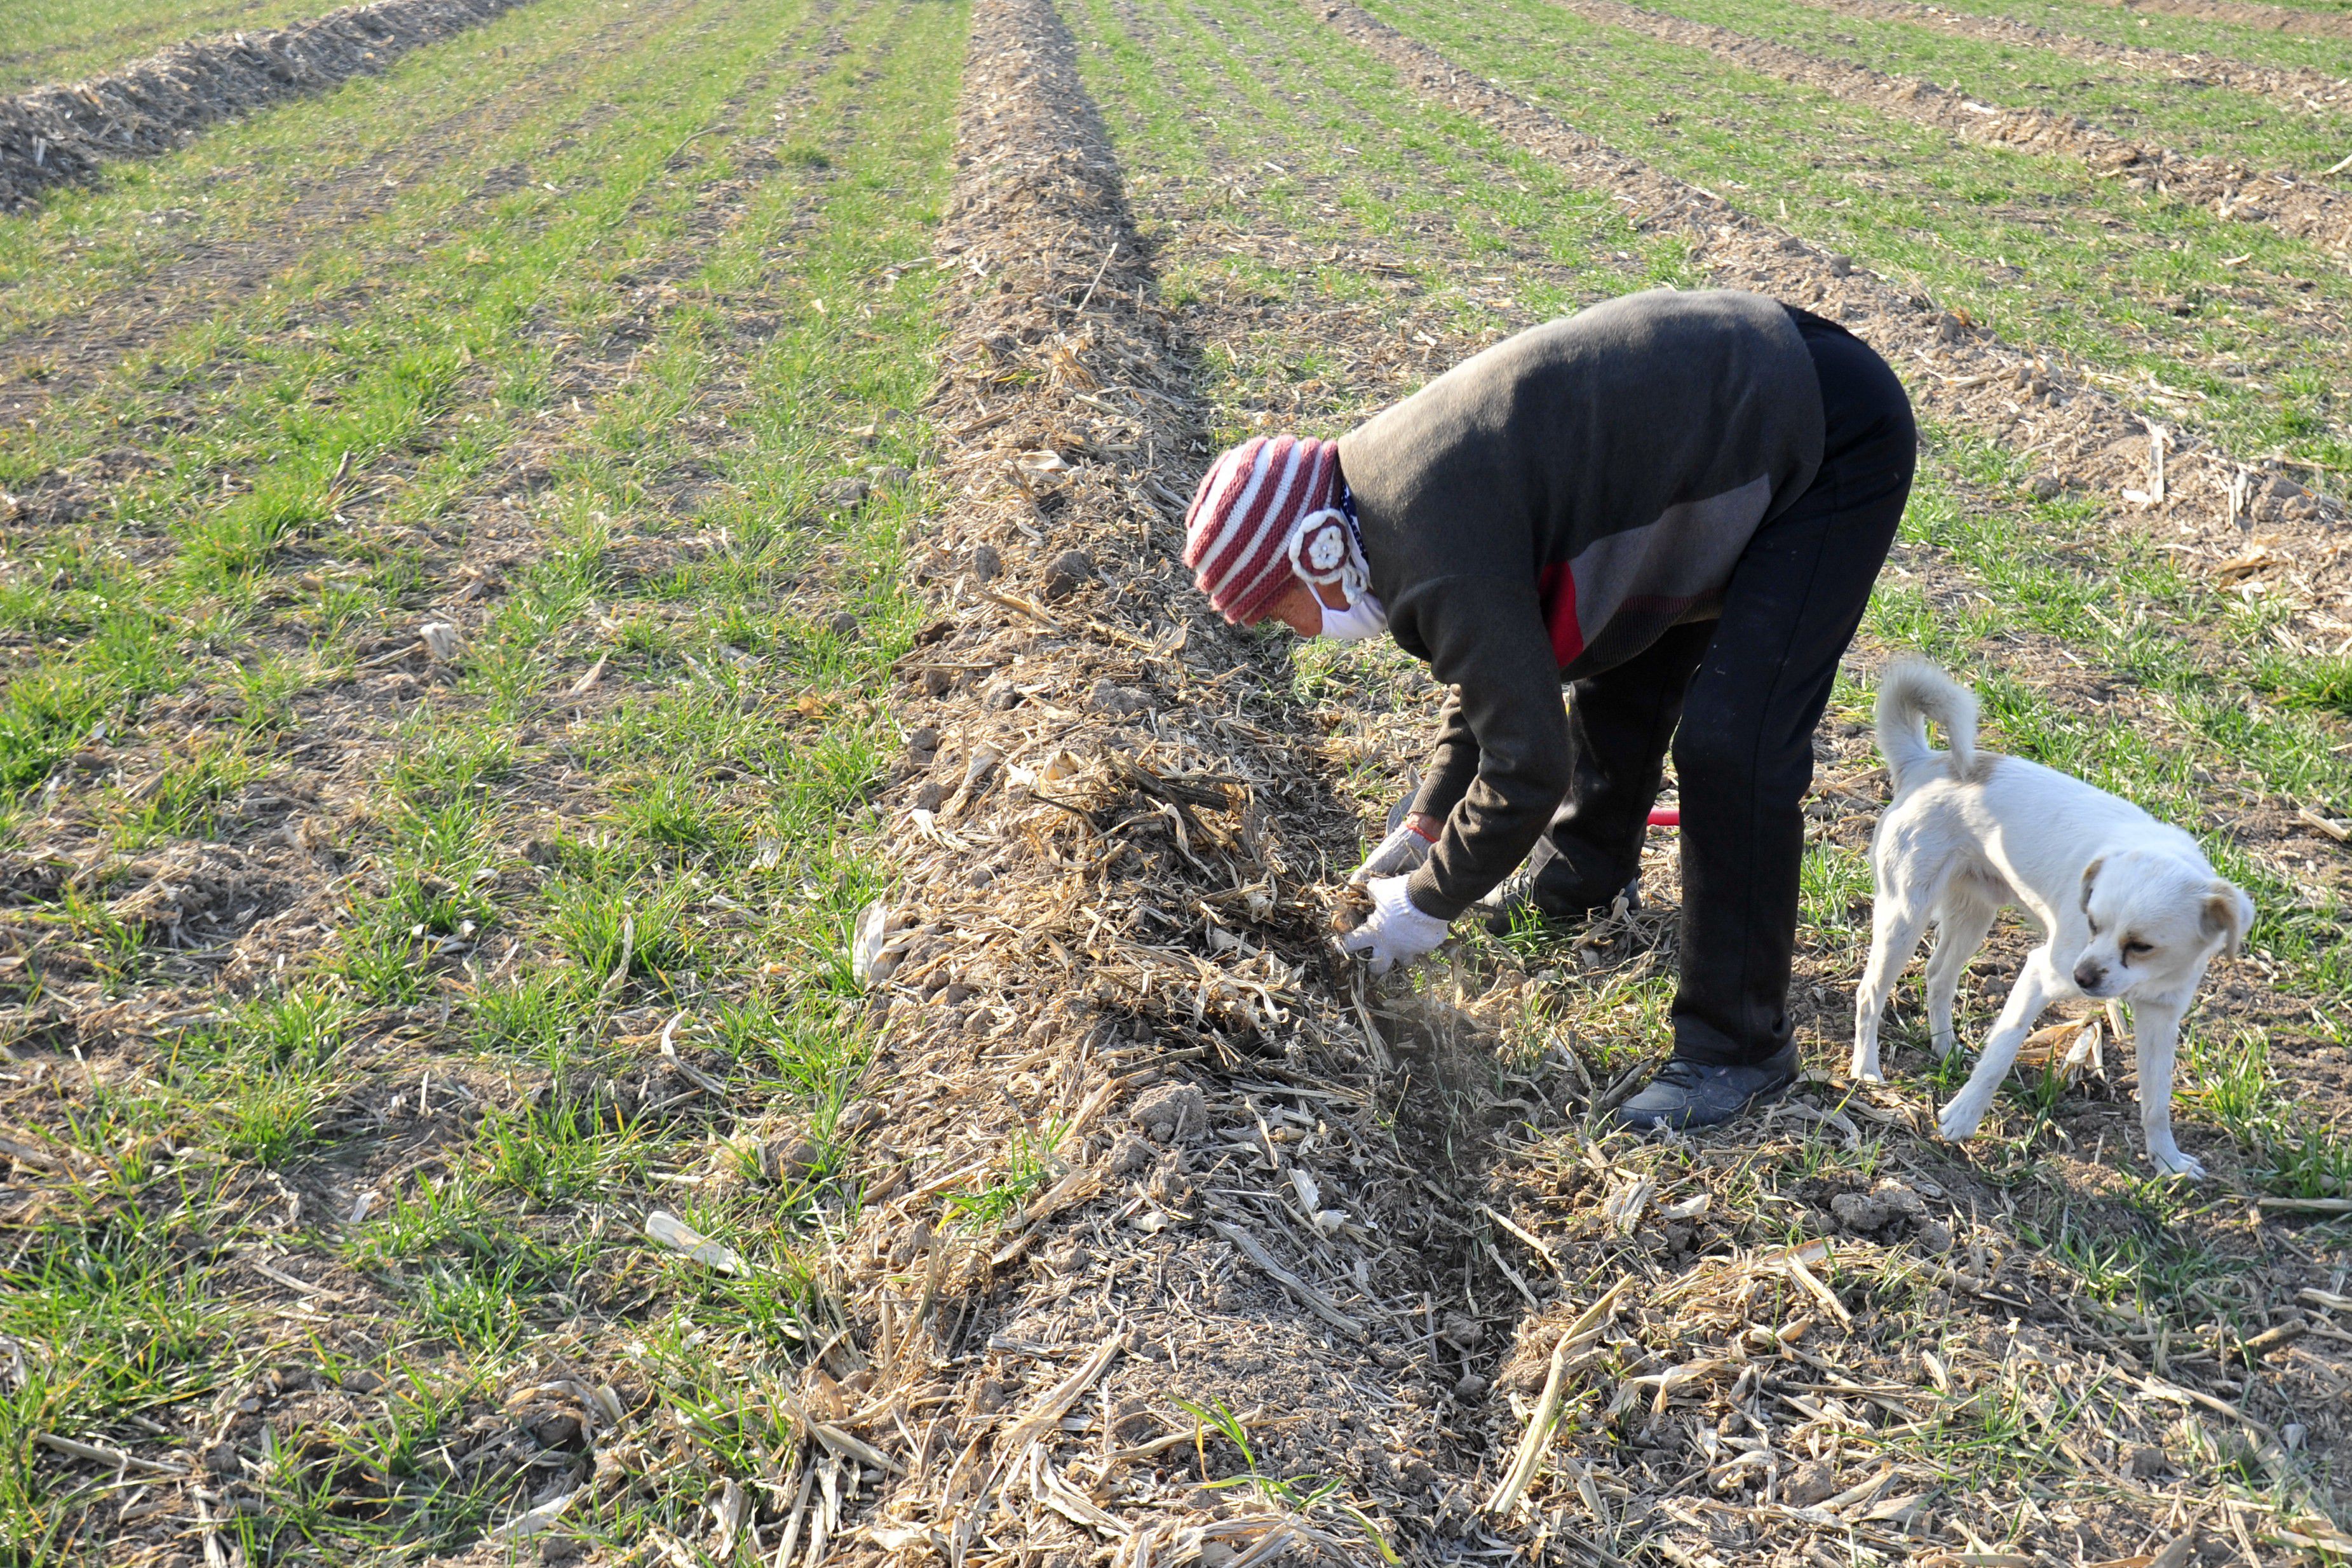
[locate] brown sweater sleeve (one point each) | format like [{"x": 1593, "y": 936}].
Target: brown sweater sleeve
[{"x": 1485, "y": 637}]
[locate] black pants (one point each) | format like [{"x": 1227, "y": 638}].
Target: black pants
[{"x": 1739, "y": 698}]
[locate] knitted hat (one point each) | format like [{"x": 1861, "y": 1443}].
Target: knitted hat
[{"x": 1267, "y": 514}]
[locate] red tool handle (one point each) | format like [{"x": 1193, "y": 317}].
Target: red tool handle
[{"x": 1665, "y": 816}]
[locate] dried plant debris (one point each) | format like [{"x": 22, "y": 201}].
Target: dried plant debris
[{"x": 68, "y": 130}]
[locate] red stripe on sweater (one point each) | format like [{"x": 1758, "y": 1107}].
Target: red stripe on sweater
[{"x": 1557, "y": 586}]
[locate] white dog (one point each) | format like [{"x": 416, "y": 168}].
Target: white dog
[{"x": 2129, "y": 907}]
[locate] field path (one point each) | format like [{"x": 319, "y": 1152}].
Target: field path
[{"x": 2304, "y": 91}]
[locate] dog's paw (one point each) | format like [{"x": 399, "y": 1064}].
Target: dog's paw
[
  {"x": 2175, "y": 1163},
  {"x": 1959, "y": 1120},
  {"x": 1865, "y": 1070}
]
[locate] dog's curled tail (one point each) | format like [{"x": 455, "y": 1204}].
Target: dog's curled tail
[{"x": 1910, "y": 692}]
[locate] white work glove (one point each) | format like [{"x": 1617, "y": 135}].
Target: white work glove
[
  {"x": 1402, "y": 851},
  {"x": 1395, "y": 931}
]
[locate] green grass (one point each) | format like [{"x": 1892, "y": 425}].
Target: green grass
[
  {"x": 2116, "y": 25},
  {"x": 64, "y": 40},
  {"x": 287, "y": 199},
  {"x": 2142, "y": 105},
  {"x": 715, "y": 839},
  {"x": 2049, "y": 256}
]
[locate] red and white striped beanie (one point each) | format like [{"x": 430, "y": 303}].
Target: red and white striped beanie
[{"x": 1243, "y": 534}]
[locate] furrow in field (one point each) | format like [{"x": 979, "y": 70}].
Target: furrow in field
[
  {"x": 2080, "y": 438},
  {"x": 2309, "y": 212},
  {"x": 2302, "y": 91},
  {"x": 53, "y": 134},
  {"x": 66, "y": 332},
  {"x": 2241, "y": 13}
]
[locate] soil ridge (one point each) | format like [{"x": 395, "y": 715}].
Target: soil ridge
[{"x": 1107, "y": 1016}]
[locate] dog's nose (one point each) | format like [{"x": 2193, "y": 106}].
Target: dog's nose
[{"x": 2087, "y": 975}]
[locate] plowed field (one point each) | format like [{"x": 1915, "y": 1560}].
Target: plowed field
[{"x": 508, "y": 566}]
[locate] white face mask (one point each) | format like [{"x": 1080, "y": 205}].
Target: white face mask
[{"x": 1363, "y": 617}]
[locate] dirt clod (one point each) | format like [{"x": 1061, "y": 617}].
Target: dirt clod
[
  {"x": 1067, "y": 573},
  {"x": 1173, "y": 1111}
]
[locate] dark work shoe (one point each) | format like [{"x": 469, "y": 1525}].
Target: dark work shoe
[
  {"x": 1692, "y": 1094},
  {"x": 1519, "y": 891}
]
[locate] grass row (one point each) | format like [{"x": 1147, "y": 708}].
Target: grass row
[
  {"x": 64, "y": 40},
  {"x": 2195, "y": 35},
  {"x": 257, "y": 425},
  {"x": 710, "y": 868},
  {"x": 2148, "y": 107},
  {"x": 2049, "y": 257},
  {"x": 276, "y": 192}
]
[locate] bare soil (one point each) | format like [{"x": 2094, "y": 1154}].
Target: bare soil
[{"x": 2241, "y": 13}]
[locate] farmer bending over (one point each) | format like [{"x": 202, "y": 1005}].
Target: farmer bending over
[{"x": 1673, "y": 504}]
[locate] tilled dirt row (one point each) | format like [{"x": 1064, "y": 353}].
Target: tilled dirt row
[
  {"x": 2237, "y": 519},
  {"x": 2235, "y": 192},
  {"x": 67, "y": 131},
  {"x": 1165, "y": 1212},
  {"x": 2304, "y": 91}
]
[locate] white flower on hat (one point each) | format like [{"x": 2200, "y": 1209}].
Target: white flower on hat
[{"x": 1323, "y": 550}]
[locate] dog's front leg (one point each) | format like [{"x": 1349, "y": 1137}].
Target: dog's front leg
[
  {"x": 2037, "y": 984},
  {"x": 2156, "y": 1038}
]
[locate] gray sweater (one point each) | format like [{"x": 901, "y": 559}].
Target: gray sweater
[{"x": 1544, "y": 511}]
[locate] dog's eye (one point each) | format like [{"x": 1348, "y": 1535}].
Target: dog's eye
[
  {"x": 2093, "y": 924},
  {"x": 2134, "y": 949}
]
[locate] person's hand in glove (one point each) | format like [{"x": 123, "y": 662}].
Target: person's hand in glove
[
  {"x": 1406, "y": 846},
  {"x": 1395, "y": 931}
]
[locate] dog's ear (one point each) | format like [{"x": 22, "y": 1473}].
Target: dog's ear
[
  {"x": 2090, "y": 875},
  {"x": 2227, "y": 914}
]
